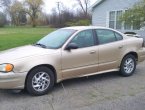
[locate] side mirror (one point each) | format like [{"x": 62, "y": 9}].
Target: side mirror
[{"x": 71, "y": 46}]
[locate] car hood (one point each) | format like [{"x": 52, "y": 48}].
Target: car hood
[{"x": 21, "y": 52}]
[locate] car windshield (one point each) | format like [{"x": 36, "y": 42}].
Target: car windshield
[{"x": 56, "y": 39}]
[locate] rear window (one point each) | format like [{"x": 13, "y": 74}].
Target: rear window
[
  {"x": 118, "y": 36},
  {"x": 105, "y": 36}
]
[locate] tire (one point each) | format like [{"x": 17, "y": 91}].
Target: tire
[
  {"x": 40, "y": 81},
  {"x": 127, "y": 69}
]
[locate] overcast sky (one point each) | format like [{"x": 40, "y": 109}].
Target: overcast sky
[
  {"x": 70, "y": 4},
  {"x": 49, "y": 4}
]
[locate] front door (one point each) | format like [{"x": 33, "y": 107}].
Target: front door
[{"x": 81, "y": 61}]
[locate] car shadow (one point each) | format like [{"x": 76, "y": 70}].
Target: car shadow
[{"x": 66, "y": 83}]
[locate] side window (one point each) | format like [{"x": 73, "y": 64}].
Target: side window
[
  {"x": 105, "y": 36},
  {"x": 84, "y": 39},
  {"x": 118, "y": 36}
]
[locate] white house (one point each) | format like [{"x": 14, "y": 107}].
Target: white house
[{"x": 106, "y": 13}]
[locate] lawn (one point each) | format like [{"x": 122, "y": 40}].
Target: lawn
[{"x": 18, "y": 36}]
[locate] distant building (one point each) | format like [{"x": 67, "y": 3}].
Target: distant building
[{"x": 106, "y": 13}]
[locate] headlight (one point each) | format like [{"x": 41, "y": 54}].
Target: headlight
[{"x": 6, "y": 67}]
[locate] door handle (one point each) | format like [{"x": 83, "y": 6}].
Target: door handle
[
  {"x": 120, "y": 47},
  {"x": 92, "y": 52}
]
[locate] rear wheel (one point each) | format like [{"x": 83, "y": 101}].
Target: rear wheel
[
  {"x": 128, "y": 65},
  {"x": 40, "y": 81}
]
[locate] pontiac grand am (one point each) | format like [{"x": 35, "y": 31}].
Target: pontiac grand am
[{"x": 69, "y": 53}]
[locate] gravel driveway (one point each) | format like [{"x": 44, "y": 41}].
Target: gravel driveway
[{"x": 101, "y": 92}]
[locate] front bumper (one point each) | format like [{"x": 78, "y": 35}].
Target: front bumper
[{"x": 12, "y": 80}]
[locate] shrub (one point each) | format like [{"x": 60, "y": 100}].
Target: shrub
[{"x": 84, "y": 22}]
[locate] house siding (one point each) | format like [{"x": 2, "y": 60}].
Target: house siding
[{"x": 100, "y": 14}]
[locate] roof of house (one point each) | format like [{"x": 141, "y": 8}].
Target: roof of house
[{"x": 97, "y": 3}]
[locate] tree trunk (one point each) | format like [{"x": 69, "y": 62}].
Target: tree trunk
[{"x": 33, "y": 22}]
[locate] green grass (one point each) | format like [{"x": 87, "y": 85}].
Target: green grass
[{"x": 11, "y": 37}]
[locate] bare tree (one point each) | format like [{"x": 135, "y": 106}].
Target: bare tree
[
  {"x": 60, "y": 10},
  {"x": 84, "y": 4},
  {"x": 33, "y": 7},
  {"x": 1, "y": 3},
  {"x": 5, "y": 7},
  {"x": 5, "y": 3},
  {"x": 2, "y": 19},
  {"x": 65, "y": 15},
  {"x": 16, "y": 12}
]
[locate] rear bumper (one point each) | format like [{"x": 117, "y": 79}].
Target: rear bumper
[
  {"x": 141, "y": 55},
  {"x": 12, "y": 80}
]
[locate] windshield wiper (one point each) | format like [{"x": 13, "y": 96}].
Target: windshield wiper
[{"x": 41, "y": 45}]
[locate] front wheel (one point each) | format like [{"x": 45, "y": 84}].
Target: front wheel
[
  {"x": 39, "y": 81},
  {"x": 128, "y": 65}
]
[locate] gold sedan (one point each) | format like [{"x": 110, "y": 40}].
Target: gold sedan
[{"x": 69, "y": 53}]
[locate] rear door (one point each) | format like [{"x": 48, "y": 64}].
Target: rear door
[{"x": 110, "y": 49}]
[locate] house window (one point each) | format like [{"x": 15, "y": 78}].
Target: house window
[
  {"x": 114, "y": 20},
  {"x": 115, "y": 23}
]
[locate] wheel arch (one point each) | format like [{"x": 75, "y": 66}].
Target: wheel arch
[
  {"x": 132, "y": 53},
  {"x": 44, "y": 65}
]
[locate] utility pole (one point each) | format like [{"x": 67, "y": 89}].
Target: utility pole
[{"x": 59, "y": 11}]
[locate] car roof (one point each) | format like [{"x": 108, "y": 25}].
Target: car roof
[
  {"x": 85, "y": 27},
  {"x": 81, "y": 28}
]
